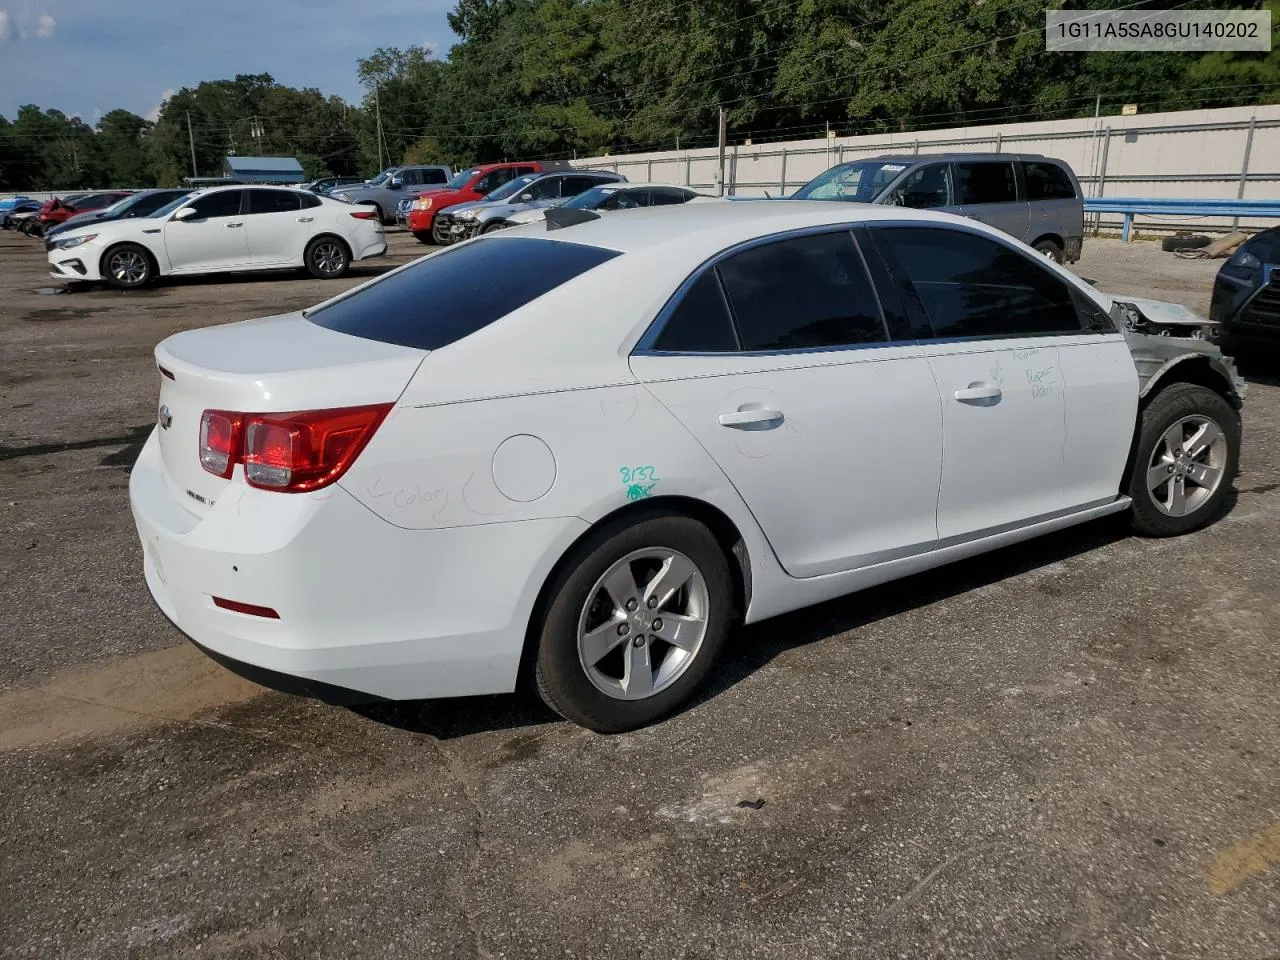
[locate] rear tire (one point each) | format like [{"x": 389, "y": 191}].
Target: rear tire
[
  {"x": 1187, "y": 456},
  {"x": 127, "y": 266},
  {"x": 606, "y": 659},
  {"x": 327, "y": 258},
  {"x": 1049, "y": 249}
]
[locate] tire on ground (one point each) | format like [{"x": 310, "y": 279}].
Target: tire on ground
[
  {"x": 1049, "y": 248},
  {"x": 320, "y": 257},
  {"x": 123, "y": 273},
  {"x": 559, "y": 674},
  {"x": 1153, "y": 458}
]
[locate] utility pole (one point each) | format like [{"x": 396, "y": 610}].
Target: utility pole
[
  {"x": 192, "y": 140},
  {"x": 377, "y": 106},
  {"x": 724, "y": 130}
]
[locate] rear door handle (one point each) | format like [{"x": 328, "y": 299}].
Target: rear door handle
[
  {"x": 305, "y": 219},
  {"x": 232, "y": 226},
  {"x": 746, "y": 418},
  {"x": 979, "y": 391}
]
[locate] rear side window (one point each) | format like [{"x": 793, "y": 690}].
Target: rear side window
[
  {"x": 669, "y": 196},
  {"x": 548, "y": 188},
  {"x": 309, "y": 200},
  {"x": 701, "y": 322},
  {"x": 273, "y": 201},
  {"x": 985, "y": 183},
  {"x": 576, "y": 185},
  {"x": 434, "y": 175},
  {"x": 971, "y": 286},
  {"x": 803, "y": 293},
  {"x": 627, "y": 200},
  {"x": 1047, "y": 181},
  {"x": 455, "y": 293}
]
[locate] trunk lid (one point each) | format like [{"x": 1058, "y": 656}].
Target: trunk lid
[{"x": 273, "y": 365}]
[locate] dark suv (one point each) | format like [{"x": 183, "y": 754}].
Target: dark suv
[{"x": 1036, "y": 199}]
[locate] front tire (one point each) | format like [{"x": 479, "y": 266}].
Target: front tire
[
  {"x": 634, "y": 623},
  {"x": 1187, "y": 455},
  {"x": 327, "y": 258},
  {"x": 422, "y": 236},
  {"x": 1050, "y": 250},
  {"x": 439, "y": 235},
  {"x": 127, "y": 267},
  {"x": 495, "y": 226}
]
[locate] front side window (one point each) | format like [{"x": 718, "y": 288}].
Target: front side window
[
  {"x": 972, "y": 286},
  {"x": 985, "y": 182},
  {"x": 547, "y": 188},
  {"x": 626, "y": 200},
  {"x": 273, "y": 201},
  {"x": 922, "y": 189},
  {"x": 1047, "y": 181},
  {"x": 451, "y": 295},
  {"x": 224, "y": 203},
  {"x": 860, "y": 181},
  {"x": 803, "y": 293},
  {"x": 491, "y": 181}
]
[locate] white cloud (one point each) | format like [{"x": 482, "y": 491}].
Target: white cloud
[
  {"x": 6, "y": 26},
  {"x": 45, "y": 26},
  {"x": 429, "y": 47},
  {"x": 154, "y": 114}
]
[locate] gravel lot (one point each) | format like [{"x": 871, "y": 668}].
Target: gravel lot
[{"x": 1069, "y": 749}]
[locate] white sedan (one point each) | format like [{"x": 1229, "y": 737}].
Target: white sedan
[
  {"x": 223, "y": 229},
  {"x": 585, "y": 452}
]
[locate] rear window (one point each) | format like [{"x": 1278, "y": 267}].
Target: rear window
[
  {"x": 1047, "y": 181},
  {"x": 459, "y": 291}
]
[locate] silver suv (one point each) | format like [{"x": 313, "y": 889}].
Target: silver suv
[
  {"x": 394, "y": 184},
  {"x": 1036, "y": 199}
]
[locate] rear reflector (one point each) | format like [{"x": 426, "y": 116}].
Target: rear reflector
[
  {"x": 252, "y": 609},
  {"x": 290, "y": 452},
  {"x": 365, "y": 214}
]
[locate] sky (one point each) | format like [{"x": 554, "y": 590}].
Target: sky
[{"x": 87, "y": 57}]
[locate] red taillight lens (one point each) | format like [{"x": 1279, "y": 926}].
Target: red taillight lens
[
  {"x": 252, "y": 609},
  {"x": 291, "y": 452},
  {"x": 365, "y": 214},
  {"x": 219, "y": 441}
]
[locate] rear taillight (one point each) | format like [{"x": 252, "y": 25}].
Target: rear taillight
[
  {"x": 365, "y": 214},
  {"x": 290, "y": 452}
]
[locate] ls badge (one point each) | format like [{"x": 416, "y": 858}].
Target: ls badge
[{"x": 166, "y": 417}]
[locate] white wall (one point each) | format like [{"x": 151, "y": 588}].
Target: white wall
[{"x": 1193, "y": 153}]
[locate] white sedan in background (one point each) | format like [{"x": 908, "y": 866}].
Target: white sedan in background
[
  {"x": 223, "y": 229},
  {"x": 587, "y": 451}
]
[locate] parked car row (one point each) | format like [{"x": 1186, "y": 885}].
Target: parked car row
[{"x": 216, "y": 230}]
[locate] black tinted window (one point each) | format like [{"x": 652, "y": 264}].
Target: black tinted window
[
  {"x": 452, "y": 295},
  {"x": 548, "y": 188},
  {"x": 701, "y": 322},
  {"x": 667, "y": 196},
  {"x": 626, "y": 200},
  {"x": 576, "y": 185},
  {"x": 434, "y": 175},
  {"x": 310, "y": 200},
  {"x": 985, "y": 183},
  {"x": 1047, "y": 181},
  {"x": 802, "y": 293},
  {"x": 273, "y": 201},
  {"x": 971, "y": 286},
  {"x": 924, "y": 188},
  {"x": 224, "y": 203}
]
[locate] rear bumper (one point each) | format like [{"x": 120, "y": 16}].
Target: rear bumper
[{"x": 367, "y": 610}]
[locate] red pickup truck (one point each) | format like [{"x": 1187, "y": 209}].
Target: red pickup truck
[
  {"x": 55, "y": 211},
  {"x": 469, "y": 185}
]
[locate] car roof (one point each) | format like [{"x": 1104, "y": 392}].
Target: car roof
[
  {"x": 933, "y": 157},
  {"x": 714, "y": 226}
]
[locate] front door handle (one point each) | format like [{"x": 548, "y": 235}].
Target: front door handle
[
  {"x": 232, "y": 226},
  {"x": 979, "y": 392},
  {"x": 752, "y": 418}
]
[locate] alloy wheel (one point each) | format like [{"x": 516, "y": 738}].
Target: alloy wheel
[
  {"x": 643, "y": 623},
  {"x": 327, "y": 257},
  {"x": 128, "y": 267},
  {"x": 1187, "y": 465}
]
